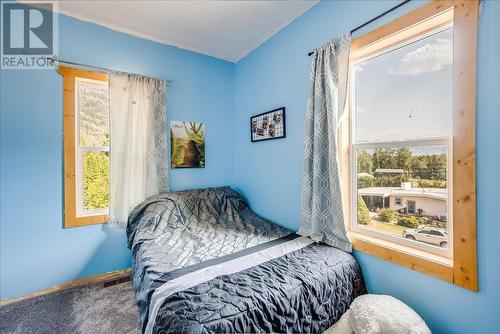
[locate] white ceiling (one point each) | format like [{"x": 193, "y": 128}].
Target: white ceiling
[{"x": 227, "y": 30}]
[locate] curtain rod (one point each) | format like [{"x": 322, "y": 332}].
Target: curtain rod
[
  {"x": 101, "y": 69},
  {"x": 373, "y": 19}
]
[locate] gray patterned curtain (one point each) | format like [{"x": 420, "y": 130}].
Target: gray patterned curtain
[
  {"x": 157, "y": 159},
  {"x": 322, "y": 217}
]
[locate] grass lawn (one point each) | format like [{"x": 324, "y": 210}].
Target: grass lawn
[{"x": 386, "y": 227}]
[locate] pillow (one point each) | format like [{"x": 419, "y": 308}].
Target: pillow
[{"x": 379, "y": 314}]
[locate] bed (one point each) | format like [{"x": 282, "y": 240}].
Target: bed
[{"x": 203, "y": 262}]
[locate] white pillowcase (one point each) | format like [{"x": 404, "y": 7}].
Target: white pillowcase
[{"x": 379, "y": 314}]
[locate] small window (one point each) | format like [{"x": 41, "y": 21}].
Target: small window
[
  {"x": 398, "y": 201},
  {"x": 92, "y": 174},
  {"x": 86, "y": 147},
  {"x": 437, "y": 233}
]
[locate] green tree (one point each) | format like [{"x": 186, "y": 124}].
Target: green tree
[
  {"x": 384, "y": 158},
  {"x": 95, "y": 180},
  {"x": 430, "y": 167},
  {"x": 390, "y": 181},
  {"x": 424, "y": 183},
  {"x": 93, "y": 114},
  {"x": 417, "y": 167},
  {"x": 366, "y": 182},
  {"x": 436, "y": 167},
  {"x": 403, "y": 158},
  {"x": 363, "y": 213},
  {"x": 365, "y": 164}
]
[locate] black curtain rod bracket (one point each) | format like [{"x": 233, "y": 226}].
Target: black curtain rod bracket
[{"x": 402, "y": 3}]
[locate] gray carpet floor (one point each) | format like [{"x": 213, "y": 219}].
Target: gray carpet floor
[{"x": 89, "y": 309}]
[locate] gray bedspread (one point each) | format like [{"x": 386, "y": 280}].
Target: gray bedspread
[{"x": 205, "y": 263}]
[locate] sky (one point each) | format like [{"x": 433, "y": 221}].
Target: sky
[
  {"x": 406, "y": 94},
  {"x": 418, "y": 150}
]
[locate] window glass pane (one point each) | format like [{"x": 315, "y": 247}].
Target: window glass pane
[
  {"x": 402, "y": 190},
  {"x": 406, "y": 94},
  {"x": 95, "y": 179},
  {"x": 93, "y": 113}
]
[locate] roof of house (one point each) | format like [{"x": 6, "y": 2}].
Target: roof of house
[
  {"x": 389, "y": 170},
  {"x": 435, "y": 193}
]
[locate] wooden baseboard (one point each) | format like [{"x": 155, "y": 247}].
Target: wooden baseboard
[{"x": 106, "y": 279}]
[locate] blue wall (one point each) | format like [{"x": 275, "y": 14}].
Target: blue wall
[
  {"x": 35, "y": 251},
  {"x": 268, "y": 173}
]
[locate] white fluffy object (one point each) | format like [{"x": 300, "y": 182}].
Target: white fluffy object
[{"x": 379, "y": 314}]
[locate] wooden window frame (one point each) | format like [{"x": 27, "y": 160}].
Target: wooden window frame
[
  {"x": 70, "y": 211},
  {"x": 462, "y": 269}
]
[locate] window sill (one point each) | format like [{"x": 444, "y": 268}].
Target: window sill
[
  {"x": 85, "y": 220},
  {"x": 427, "y": 263}
]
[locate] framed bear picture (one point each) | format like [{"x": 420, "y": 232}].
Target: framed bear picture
[
  {"x": 268, "y": 125},
  {"x": 187, "y": 144}
]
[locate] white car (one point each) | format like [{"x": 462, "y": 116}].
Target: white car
[{"x": 434, "y": 236}]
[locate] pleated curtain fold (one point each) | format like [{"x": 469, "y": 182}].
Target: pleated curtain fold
[
  {"x": 322, "y": 216},
  {"x": 138, "y": 141}
]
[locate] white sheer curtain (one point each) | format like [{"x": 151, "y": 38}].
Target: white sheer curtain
[{"x": 138, "y": 137}]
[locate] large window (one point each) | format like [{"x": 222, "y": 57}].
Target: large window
[
  {"x": 86, "y": 147},
  {"x": 401, "y": 139},
  {"x": 409, "y": 130}
]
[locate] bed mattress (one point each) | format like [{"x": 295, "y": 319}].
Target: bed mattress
[{"x": 203, "y": 262}]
